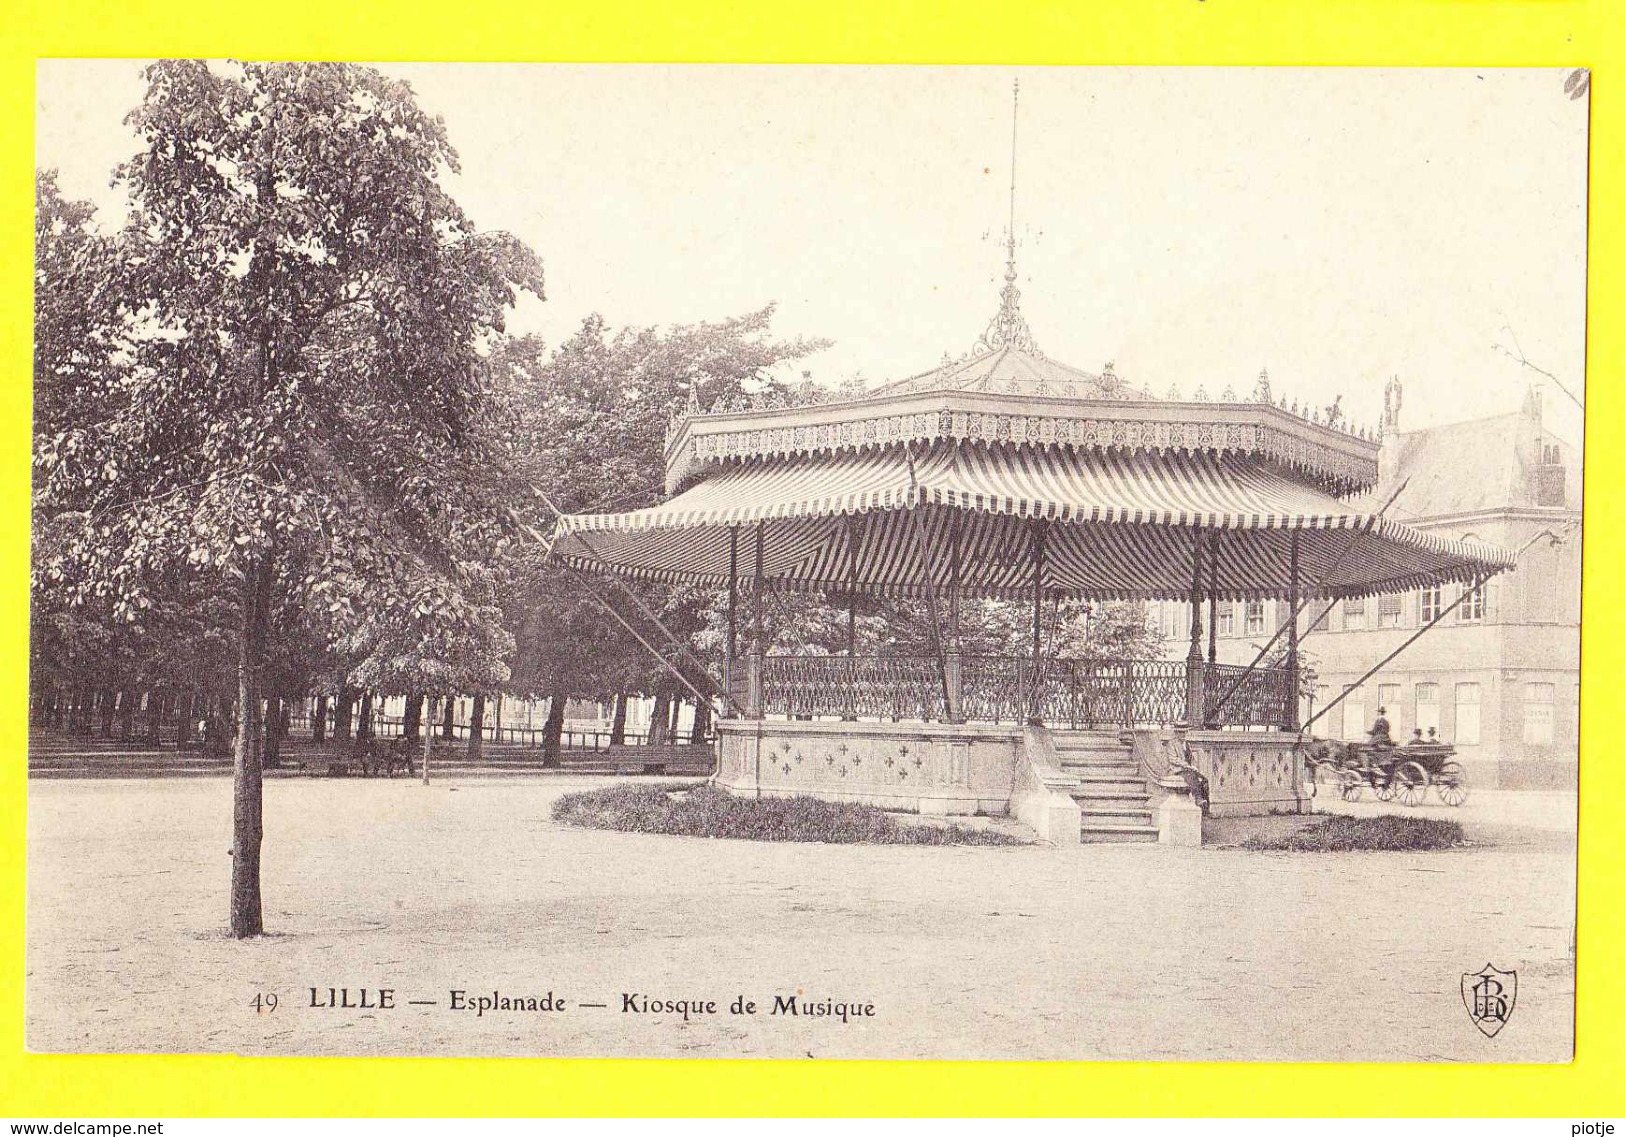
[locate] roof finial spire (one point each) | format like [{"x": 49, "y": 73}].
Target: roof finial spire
[
  {"x": 1008, "y": 328},
  {"x": 1010, "y": 233}
]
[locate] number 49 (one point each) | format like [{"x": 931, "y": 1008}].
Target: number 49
[{"x": 265, "y": 1004}]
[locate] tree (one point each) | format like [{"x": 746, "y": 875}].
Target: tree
[
  {"x": 301, "y": 381},
  {"x": 589, "y": 434}
]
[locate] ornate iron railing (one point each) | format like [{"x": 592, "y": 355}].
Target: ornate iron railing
[
  {"x": 867, "y": 687},
  {"x": 1085, "y": 694},
  {"x": 1072, "y": 694},
  {"x": 995, "y": 688},
  {"x": 1251, "y": 699}
]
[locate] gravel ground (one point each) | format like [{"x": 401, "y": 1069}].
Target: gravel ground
[{"x": 1119, "y": 951}]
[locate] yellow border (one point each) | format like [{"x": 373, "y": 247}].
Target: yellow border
[{"x": 1353, "y": 32}]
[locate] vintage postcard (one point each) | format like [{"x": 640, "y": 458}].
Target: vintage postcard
[{"x": 788, "y": 561}]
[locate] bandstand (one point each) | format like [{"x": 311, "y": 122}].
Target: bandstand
[{"x": 1008, "y": 474}]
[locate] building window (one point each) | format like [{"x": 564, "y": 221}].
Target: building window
[
  {"x": 1322, "y": 621},
  {"x": 1354, "y": 717},
  {"x": 1172, "y": 620},
  {"x": 1471, "y": 610},
  {"x": 1255, "y": 617},
  {"x": 1353, "y": 615},
  {"x": 1427, "y": 707},
  {"x": 1227, "y": 618},
  {"x": 1467, "y": 723},
  {"x": 1388, "y": 612},
  {"x": 1432, "y": 603},
  {"x": 1550, "y": 455},
  {"x": 1388, "y": 701},
  {"x": 1537, "y": 714}
]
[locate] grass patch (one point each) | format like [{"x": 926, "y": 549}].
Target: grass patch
[
  {"x": 706, "y": 811},
  {"x": 1387, "y": 832}
]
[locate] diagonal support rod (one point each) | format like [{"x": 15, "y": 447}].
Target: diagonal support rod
[
  {"x": 603, "y": 602},
  {"x": 1478, "y": 583},
  {"x": 682, "y": 648},
  {"x": 1302, "y": 604}
]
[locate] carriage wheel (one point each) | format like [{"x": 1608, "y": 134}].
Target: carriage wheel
[
  {"x": 1385, "y": 783},
  {"x": 1411, "y": 783},
  {"x": 1351, "y": 787},
  {"x": 1452, "y": 784}
]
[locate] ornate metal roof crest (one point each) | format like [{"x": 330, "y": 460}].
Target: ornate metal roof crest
[{"x": 1008, "y": 328}]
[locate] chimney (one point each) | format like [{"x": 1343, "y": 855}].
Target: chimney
[{"x": 1540, "y": 456}]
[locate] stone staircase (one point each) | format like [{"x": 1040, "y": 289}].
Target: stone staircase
[{"x": 1111, "y": 788}]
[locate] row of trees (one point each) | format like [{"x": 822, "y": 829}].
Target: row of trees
[{"x": 285, "y": 445}]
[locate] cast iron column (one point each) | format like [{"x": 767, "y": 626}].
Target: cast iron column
[
  {"x": 854, "y": 523},
  {"x": 1289, "y": 710},
  {"x": 952, "y": 665},
  {"x": 1195, "y": 686},
  {"x": 758, "y": 647},
  {"x": 731, "y": 647},
  {"x": 1038, "y": 620},
  {"x": 1212, "y": 620}
]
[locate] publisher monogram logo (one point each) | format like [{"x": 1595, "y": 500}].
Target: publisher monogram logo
[{"x": 1489, "y": 995}]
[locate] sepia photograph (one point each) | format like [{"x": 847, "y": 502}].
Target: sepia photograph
[{"x": 855, "y": 562}]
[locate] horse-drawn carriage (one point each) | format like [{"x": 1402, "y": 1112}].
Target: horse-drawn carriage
[{"x": 1388, "y": 771}]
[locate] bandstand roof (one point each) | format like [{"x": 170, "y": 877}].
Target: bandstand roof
[
  {"x": 956, "y": 474},
  {"x": 1117, "y": 524}
]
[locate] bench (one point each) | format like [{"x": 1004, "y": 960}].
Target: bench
[{"x": 690, "y": 758}]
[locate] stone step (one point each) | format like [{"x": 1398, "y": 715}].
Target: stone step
[
  {"x": 1107, "y": 811},
  {"x": 1091, "y": 833},
  {"x": 1114, "y": 753},
  {"x": 1124, "y": 768},
  {"x": 1111, "y": 793},
  {"x": 1111, "y": 779}
]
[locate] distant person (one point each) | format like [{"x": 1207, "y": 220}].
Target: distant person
[
  {"x": 1416, "y": 737},
  {"x": 1433, "y": 734},
  {"x": 1379, "y": 733}
]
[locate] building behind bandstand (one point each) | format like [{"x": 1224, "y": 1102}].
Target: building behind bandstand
[{"x": 1499, "y": 678}]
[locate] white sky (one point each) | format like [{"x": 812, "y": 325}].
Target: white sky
[{"x": 1191, "y": 225}]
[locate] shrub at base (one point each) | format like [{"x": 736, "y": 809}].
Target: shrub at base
[
  {"x": 1386, "y": 832},
  {"x": 706, "y": 811}
]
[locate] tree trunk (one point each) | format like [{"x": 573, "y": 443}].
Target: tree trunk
[
  {"x": 126, "y": 714},
  {"x": 676, "y": 715},
  {"x": 363, "y": 726},
  {"x": 413, "y": 726},
  {"x": 155, "y": 718},
  {"x": 184, "y": 703},
  {"x": 342, "y": 713},
  {"x": 108, "y": 708},
  {"x": 553, "y": 729},
  {"x": 617, "y": 723},
  {"x": 318, "y": 720},
  {"x": 476, "y": 727},
  {"x": 702, "y": 721},
  {"x": 448, "y": 721},
  {"x": 660, "y": 716},
  {"x": 275, "y": 728},
  {"x": 248, "y": 784}
]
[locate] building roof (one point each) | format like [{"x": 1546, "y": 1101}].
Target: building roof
[
  {"x": 1473, "y": 466},
  {"x": 1015, "y": 371}
]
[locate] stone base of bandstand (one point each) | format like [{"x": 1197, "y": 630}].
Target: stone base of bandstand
[
  {"x": 944, "y": 769},
  {"x": 948, "y": 769},
  {"x": 1249, "y": 773}
]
